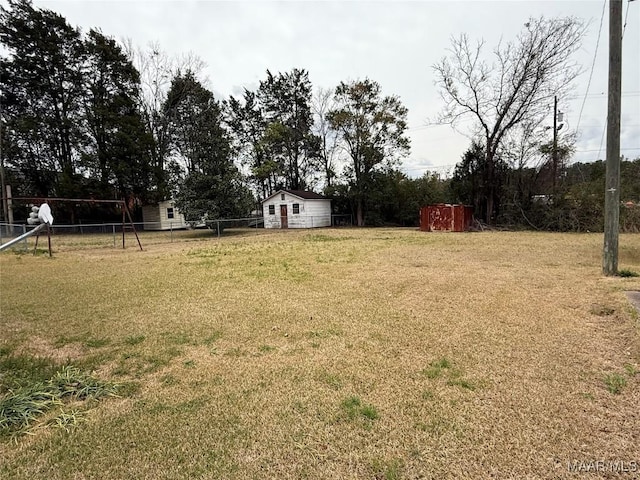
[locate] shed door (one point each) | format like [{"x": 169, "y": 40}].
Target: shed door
[{"x": 284, "y": 221}]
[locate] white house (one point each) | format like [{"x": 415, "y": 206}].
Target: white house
[
  {"x": 296, "y": 209},
  {"x": 163, "y": 216}
]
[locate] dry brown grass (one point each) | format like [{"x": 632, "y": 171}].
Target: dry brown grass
[{"x": 483, "y": 355}]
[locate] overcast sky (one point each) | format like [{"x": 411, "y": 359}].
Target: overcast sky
[{"x": 394, "y": 43}]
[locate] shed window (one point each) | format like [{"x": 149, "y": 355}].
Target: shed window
[
  {"x": 170, "y": 212},
  {"x": 282, "y": 196},
  {"x": 296, "y": 208},
  {"x": 272, "y": 209}
]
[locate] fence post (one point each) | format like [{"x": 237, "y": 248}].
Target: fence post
[
  {"x": 218, "y": 227},
  {"x": 171, "y": 230},
  {"x": 113, "y": 228},
  {"x": 24, "y": 230}
]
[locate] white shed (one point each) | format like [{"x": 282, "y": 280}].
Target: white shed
[
  {"x": 163, "y": 216},
  {"x": 296, "y": 209}
]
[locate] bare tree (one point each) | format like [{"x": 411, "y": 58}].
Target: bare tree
[
  {"x": 515, "y": 88},
  {"x": 520, "y": 147},
  {"x": 322, "y": 104},
  {"x": 157, "y": 70}
]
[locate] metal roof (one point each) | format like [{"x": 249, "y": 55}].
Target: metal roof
[{"x": 300, "y": 194}]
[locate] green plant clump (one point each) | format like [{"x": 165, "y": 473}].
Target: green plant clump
[
  {"x": 21, "y": 407},
  {"x": 626, "y": 273},
  {"x": 436, "y": 367},
  {"x": 354, "y": 408},
  {"x": 615, "y": 383}
]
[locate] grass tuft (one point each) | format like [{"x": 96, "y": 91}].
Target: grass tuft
[
  {"x": 134, "y": 339},
  {"x": 626, "y": 273},
  {"x": 387, "y": 470},
  {"x": 97, "y": 342},
  {"x": 67, "y": 421},
  {"x": 5, "y": 350},
  {"x": 460, "y": 382},
  {"x": 427, "y": 395},
  {"x": 212, "y": 338},
  {"x": 436, "y": 367},
  {"x": 331, "y": 380},
  {"x": 370, "y": 412},
  {"x": 71, "y": 382},
  {"x": 354, "y": 408},
  {"x": 21, "y": 407},
  {"x": 615, "y": 383},
  {"x": 19, "y": 371},
  {"x": 177, "y": 338}
]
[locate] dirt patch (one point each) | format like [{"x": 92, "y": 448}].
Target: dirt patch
[
  {"x": 38, "y": 346},
  {"x": 634, "y": 298}
]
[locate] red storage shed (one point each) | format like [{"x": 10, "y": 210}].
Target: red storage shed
[{"x": 446, "y": 218}]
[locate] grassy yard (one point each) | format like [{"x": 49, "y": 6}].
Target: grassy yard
[{"x": 373, "y": 353}]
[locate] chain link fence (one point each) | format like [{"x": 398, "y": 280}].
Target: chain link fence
[{"x": 112, "y": 235}]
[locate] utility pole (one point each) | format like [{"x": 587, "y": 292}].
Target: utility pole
[
  {"x": 612, "y": 183},
  {"x": 3, "y": 189},
  {"x": 554, "y": 153}
]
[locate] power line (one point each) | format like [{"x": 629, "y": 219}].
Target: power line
[
  {"x": 601, "y": 95},
  {"x": 600, "y": 149},
  {"x": 624, "y": 27},
  {"x": 622, "y": 94},
  {"x": 629, "y": 125},
  {"x": 604, "y": 130},
  {"x": 593, "y": 64}
]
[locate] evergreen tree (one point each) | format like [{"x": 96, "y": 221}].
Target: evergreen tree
[
  {"x": 212, "y": 187},
  {"x": 42, "y": 90},
  {"x": 117, "y": 154}
]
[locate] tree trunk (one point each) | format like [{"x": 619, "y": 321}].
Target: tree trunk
[
  {"x": 490, "y": 207},
  {"x": 360, "y": 213},
  {"x": 489, "y": 186}
]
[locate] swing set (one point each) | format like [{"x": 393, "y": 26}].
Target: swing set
[{"x": 43, "y": 215}]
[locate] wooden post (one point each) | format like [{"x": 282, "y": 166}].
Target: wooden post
[
  {"x": 612, "y": 183},
  {"x": 5, "y": 207},
  {"x": 133, "y": 227},
  {"x": 123, "y": 220}
]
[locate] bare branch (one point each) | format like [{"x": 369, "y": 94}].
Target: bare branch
[{"x": 516, "y": 89}]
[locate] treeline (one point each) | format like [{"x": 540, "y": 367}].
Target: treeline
[
  {"x": 86, "y": 116},
  {"x": 564, "y": 198},
  {"x": 526, "y": 196}
]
